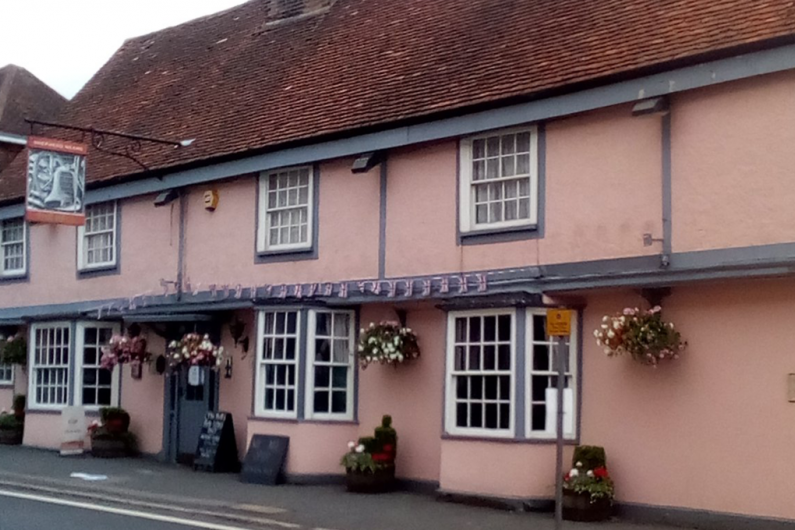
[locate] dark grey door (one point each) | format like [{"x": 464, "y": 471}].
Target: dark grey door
[{"x": 193, "y": 402}]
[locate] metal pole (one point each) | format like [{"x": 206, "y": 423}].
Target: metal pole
[{"x": 559, "y": 356}]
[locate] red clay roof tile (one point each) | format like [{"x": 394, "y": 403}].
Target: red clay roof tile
[{"x": 236, "y": 84}]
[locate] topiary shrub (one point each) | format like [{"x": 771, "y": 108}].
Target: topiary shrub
[
  {"x": 370, "y": 444},
  {"x": 385, "y": 434},
  {"x": 591, "y": 456}
]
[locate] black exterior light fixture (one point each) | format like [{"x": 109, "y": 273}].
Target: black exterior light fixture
[
  {"x": 166, "y": 197},
  {"x": 651, "y": 107},
  {"x": 367, "y": 161}
]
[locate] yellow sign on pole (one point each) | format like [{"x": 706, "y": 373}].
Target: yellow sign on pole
[{"x": 558, "y": 322}]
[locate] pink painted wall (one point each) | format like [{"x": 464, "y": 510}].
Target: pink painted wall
[
  {"x": 713, "y": 431},
  {"x": 732, "y": 164},
  {"x": 42, "y": 430},
  {"x": 235, "y": 393},
  {"x": 149, "y": 242},
  {"x": 220, "y": 245},
  {"x": 603, "y": 182},
  {"x": 143, "y": 399}
]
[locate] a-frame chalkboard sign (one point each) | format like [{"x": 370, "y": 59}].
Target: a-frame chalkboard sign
[
  {"x": 265, "y": 459},
  {"x": 216, "y": 451}
]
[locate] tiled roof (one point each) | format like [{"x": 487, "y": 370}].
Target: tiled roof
[
  {"x": 23, "y": 95},
  {"x": 237, "y": 84}
]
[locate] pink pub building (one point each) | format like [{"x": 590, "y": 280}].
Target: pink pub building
[{"x": 459, "y": 166}]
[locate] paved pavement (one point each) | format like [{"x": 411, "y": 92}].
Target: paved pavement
[{"x": 143, "y": 484}]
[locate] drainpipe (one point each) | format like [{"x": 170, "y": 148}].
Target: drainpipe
[
  {"x": 667, "y": 191},
  {"x": 183, "y": 210}
]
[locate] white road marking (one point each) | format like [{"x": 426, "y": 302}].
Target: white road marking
[{"x": 130, "y": 513}]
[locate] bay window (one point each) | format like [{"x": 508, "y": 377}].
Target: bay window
[
  {"x": 277, "y": 357},
  {"x": 50, "y": 351},
  {"x": 96, "y": 386}
]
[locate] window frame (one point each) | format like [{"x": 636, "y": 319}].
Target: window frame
[
  {"x": 79, "y": 342},
  {"x": 14, "y": 273},
  {"x": 263, "y": 219},
  {"x": 467, "y": 218},
  {"x": 574, "y": 374},
  {"x": 309, "y": 371},
  {"x": 82, "y": 265},
  {"x": 32, "y": 401},
  {"x": 450, "y": 388},
  {"x": 7, "y": 368},
  {"x": 259, "y": 376}
]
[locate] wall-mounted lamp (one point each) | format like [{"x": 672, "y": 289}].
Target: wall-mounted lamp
[
  {"x": 166, "y": 197},
  {"x": 367, "y": 161},
  {"x": 228, "y": 369},
  {"x": 236, "y": 330},
  {"x": 651, "y": 107}
]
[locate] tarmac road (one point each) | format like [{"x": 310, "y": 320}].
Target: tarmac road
[{"x": 28, "y": 511}]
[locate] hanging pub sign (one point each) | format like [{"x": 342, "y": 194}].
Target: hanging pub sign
[{"x": 56, "y": 181}]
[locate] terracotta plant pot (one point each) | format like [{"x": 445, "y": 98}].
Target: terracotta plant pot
[
  {"x": 11, "y": 436},
  {"x": 578, "y": 507},
  {"x": 382, "y": 481}
]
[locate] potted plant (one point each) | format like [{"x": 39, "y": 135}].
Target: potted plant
[
  {"x": 641, "y": 334},
  {"x": 588, "y": 490},
  {"x": 14, "y": 351},
  {"x": 19, "y": 406},
  {"x": 387, "y": 343},
  {"x": 110, "y": 437},
  {"x": 11, "y": 429},
  {"x": 370, "y": 463}
]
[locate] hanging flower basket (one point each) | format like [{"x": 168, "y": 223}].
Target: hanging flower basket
[
  {"x": 124, "y": 350},
  {"x": 387, "y": 343},
  {"x": 195, "y": 350},
  {"x": 14, "y": 350},
  {"x": 641, "y": 334}
]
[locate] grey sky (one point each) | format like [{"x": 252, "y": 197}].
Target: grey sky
[{"x": 64, "y": 42}]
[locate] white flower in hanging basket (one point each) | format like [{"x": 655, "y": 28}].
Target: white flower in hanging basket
[{"x": 387, "y": 343}]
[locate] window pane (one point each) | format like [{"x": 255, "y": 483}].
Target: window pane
[
  {"x": 322, "y": 376},
  {"x": 321, "y": 402},
  {"x": 339, "y": 402},
  {"x": 323, "y": 350}
]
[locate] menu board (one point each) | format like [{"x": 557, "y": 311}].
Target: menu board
[
  {"x": 265, "y": 459},
  {"x": 216, "y": 451}
]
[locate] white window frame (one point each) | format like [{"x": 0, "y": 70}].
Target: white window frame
[
  {"x": 82, "y": 263},
  {"x": 78, "y": 364},
  {"x": 7, "y": 368},
  {"x": 468, "y": 220},
  {"x": 572, "y": 373},
  {"x": 9, "y": 273},
  {"x": 309, "y": 373},
  {"x": 33, "y": 402},
  {"x": 450, "y": 395},
  {"x": 263, "y": 226},
  {"x": 261, "y": 363}
]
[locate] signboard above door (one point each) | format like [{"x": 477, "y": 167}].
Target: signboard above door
[{"x": 56, "y": 181}]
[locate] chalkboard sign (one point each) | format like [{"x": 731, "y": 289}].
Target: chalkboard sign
[
  {"x": 265, "y": 459},
  {"x": 216, "y": 451}
]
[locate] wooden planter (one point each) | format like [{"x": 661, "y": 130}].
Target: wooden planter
[
  {"x": 108, "y": 448},
  {"x": 11, "y": 436},
  {"x": 578, "y": 507},
  {"x": 382, "y": 481}
]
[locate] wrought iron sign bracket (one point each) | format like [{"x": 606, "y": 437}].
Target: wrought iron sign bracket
[{"x": 98, "y": 137}]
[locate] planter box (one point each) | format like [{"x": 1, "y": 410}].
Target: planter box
[
  {"x": 11, "y": 436},
  {"x": 382, "y": 481},
  {"x": 578, "y": 507},
  {"x": 108, "y": 448}
]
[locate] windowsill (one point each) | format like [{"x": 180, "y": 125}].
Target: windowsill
[
  {"x": 500, "y": 235},
  {"x": 506, "y": 440},
  {"x": 100, "y": 270},
  {"x": 282, "y": 255},
  {"x": 14, "y": 277},
  {"x": 49, "y": 411},
  {"x": 5, "y": 384}
]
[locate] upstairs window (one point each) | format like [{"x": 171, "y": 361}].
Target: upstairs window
[
  {"x": 285, "y": 210},
  {"x": 499, "y": 180},
  {"x": 12, "y": 247},
  {"x": 97, "y": 244}
]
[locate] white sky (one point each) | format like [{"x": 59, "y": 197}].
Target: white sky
[{"x": 64, "y": 42}]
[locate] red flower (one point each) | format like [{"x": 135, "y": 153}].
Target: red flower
[
  {"x": 566, "y": 477},
  {"x": 600, "y": 472}
]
